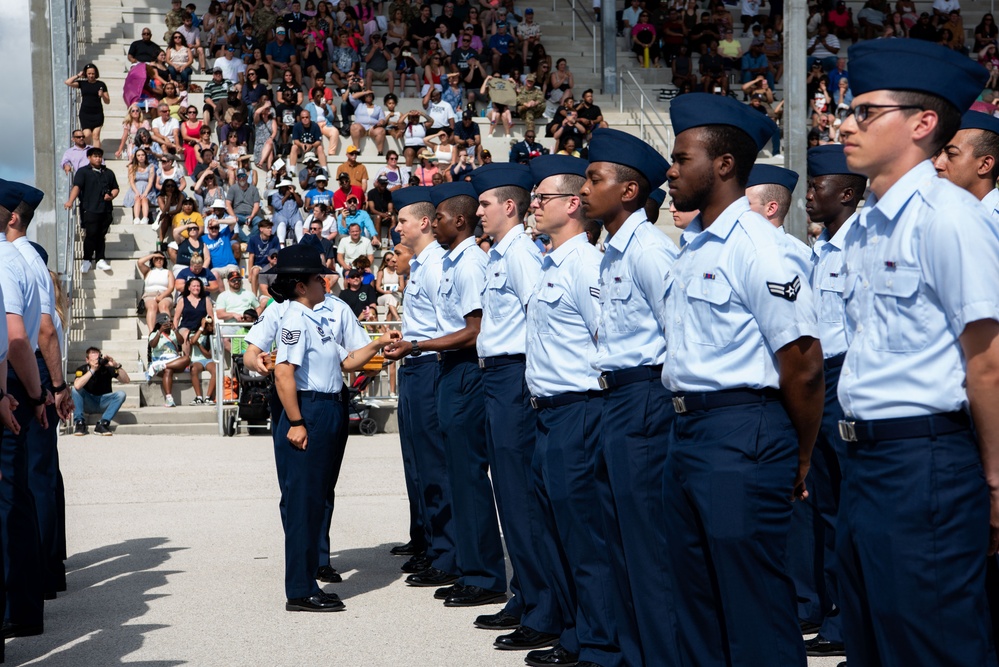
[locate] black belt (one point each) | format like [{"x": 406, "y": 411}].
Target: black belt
[
  {"x": 422, "y": 359},
  {"x": 38, "y": 354},
  {"x": 502, "y": 360},
  {"x": 903, "y": 427},
  {"x": 568, "y": 398},
  {"x": 318, "y": 395},
  {"x": 708, "y": 400},
  {"x": 611, "y": 379},
  {"x": 832, "y": 363},
  {"x": 452, "y": 356}
]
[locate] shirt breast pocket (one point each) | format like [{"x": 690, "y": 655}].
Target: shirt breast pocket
[
  {"x": 549, "y": 301},
  {"x": 448, "y": 305},
  {"x": 709, "y": 322},
  {"x": 619, "y": 297},
  {"x": 498, "y": 303},
  {"x": 900, "y": 311},
  {"x": 831, "y": 297}
]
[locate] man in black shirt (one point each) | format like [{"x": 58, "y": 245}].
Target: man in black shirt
[
  {"x": 143, "y": 50},
  {"x": 380, "y": 207},
  {"x": 361, "y": 298},
  {"x": 422, "y": 29},
  {"x": 448, "y": 18},
  {"x": 589, "y": 113},
  {"x": 96, "y": 187},
  {"x": 92, "y": 392},
  {"x": 467, "y": 136}
]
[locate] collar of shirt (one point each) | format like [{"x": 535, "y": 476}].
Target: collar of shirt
[
  {"x": 453, "y": 254},
  {"x": 899, "y": 194},
  {"x": 501, "y": 248},
  {"x": 3, "y": 237},
  {"x": 622, "y": 237},
  {"x": 991, "y": 201},
  {"x": 722, "y": 226},
  {"x": 558, "y": 255},
  {"x": 425, "y": 255},
  {"x": 837, "y": 240}
]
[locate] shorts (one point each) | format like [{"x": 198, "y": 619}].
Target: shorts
[
  {"x": 224, "y": 271},
  {"x": 379, "y": 76},
  {"x": 153, "y": 295},
  {"x": 388, "y": 300}
]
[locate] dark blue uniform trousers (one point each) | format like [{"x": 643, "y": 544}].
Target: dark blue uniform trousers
[
  {"x": 24, "y": 568},
  {"x": 461, "y": 415},
  {"x": 418, "y": 527},
  {"x": 511, "y": 428},
  {"x": 304, "y": 477},
  {"x": 418, "y": 425},
  {"x": 45, "y": 482},
  {"x": 812, "y": 538},
  {"x": 339, "y": 449},
  {"x": 729, "y": 480},
  {"x": 579, "y": 568},
  {"x": 913, "y": 528},
  {"x": 634, "y": 443}
]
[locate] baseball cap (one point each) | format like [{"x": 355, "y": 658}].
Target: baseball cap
[
  {"x": 501, "y": 24},
  {"x": 353, "y": 149},
  {"x": 355, "y": 273},
  {"x": 528, "y": 11},
  {"x": 383, "y": 179},
  {"x": 466, "y": 114},
  {"x": 281, "y": 31},
  {"x": 321, "y": 177},
  {"x": 217, "y": 70},
  {"x": 343, "y": 177},
  {"x": 240, "y": 174}
]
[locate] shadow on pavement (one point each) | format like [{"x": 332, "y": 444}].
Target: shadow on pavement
[
  {"x": 90, "y": 623},
  {"x": 365, "y": 570}
]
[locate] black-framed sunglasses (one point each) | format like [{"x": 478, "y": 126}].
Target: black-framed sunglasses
[
  {"x": 78, "y": 136},
  {"x": 863, "y": 111},
  {"x": 543, "y": 197}
]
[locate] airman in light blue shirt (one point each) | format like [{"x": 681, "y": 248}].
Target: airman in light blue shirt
[
  {"x": 463, "y": 277},
  {"x": 419, "y": 318},
  {"x": 306, "y": 341},
  {"x": 511, "y": 273}
]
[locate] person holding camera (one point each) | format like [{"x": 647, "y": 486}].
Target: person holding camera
[
  {"x": 95, "y": 186},
  {"x": 92, "y": 391},
  {"x": 166, "y": 358}
]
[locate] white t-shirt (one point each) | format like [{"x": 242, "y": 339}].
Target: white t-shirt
[
  {"x": 946, "y": 6},
  {"x": 442, "y": 113},
  {"x": 352, "y": 251},
  {"x": 231, "y": 69},
  {"x": 166, "y": 127}
]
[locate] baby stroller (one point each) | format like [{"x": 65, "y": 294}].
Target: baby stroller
[
  {"x": 253, "y": 404},
  {"x": 358, "y": 411}
]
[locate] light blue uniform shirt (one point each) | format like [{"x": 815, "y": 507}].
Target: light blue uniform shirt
[
  {"x": 20, "y": 291},
  {"x": 419, "y": 307},
  {"x": 632, "y": 274},
  {"x": 827, "y": 283},
  {"x": 463, "y": 274},
  {"x": 306, "y": 342},
  {"x": 40, "y": 274},
  {"x": 511, "y": 274},
  {"x": 562, "y": 320},
  {"x": 3, "y": 328},
  {"x": 921, "y": 263},
  {"x": 991, "y": 203},
  {"x": 347, "y": 330},
  {"x": 735, "y": 296}
]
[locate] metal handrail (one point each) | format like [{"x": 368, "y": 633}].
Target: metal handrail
[
  {"x": 648, "y": 115},
  {"x": 582, "y": 19}
]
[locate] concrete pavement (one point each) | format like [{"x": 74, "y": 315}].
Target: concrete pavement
[{"x": 175, "y": 558}]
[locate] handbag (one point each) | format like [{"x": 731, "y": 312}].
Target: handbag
[{"x": 140, "y": 306}]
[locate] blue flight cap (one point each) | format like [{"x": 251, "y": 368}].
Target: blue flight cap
[
  {"x": 10, "y": 194},
  {"x": 544, "y": 166},
  {"x": 412, "y": 195},
  {"x": 500, "y": 175},
  {"x": 441, "y": 193},
  {"x": 826, "y": 160},
  {"x": 917, "y": 65},
  {"x": 658, "y": 196},
  {"x": 976, "y": 120},
  {"x": 700, "y": 109},
  {"x": 30, "y": 195},
  {"x": 765, "y": 174},
  {"x": 622, "y": 148},
  {"x": 41, "y": 252}
]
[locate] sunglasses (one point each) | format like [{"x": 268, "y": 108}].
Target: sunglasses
[{"x": 78, "y": 136}]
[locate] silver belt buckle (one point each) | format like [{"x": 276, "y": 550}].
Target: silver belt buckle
[
  {"x": 679, "y": 405},
  {"x": 482, "y": 362},
  {"x": 534, "y": 402},
  {"x": 847, "y": 431},
  {"x": 602, "y": 381}
]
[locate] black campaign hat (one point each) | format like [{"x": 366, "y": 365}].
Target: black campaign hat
[{"x": 299, "y": 259}]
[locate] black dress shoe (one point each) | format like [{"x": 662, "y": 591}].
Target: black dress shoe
[
  {"x": 523, "y": 639},
  {"x": 552, "y": 656},
  {"x": 431, "y": 576},
  {"x": 448, "y": 591},
  {"x": 22, "y": 629},
  {"x": 473, "y": 596},
  {"x": 808, "y": 628},
  {"x": 819, "y": 646},
  {"x": 407, "y": 549},
  {"x": 416, "y": 564},
  {"x": 500, "y": 621},
  {"x": 319, "y": 602},
  {"x": 328, "y": 575}
]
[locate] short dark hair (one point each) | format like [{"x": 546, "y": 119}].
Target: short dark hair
[
  {"x": 463, "y": 205},
  {"x": 520, "y": 197},
  {"x": 949, "y": 116},
  {"x": 588, "y": 90},
  {"x": 984, "y": 143},
  {"x": 722, "y": 139},
  {"x": 94, "y": 150},
  {"x": 779, "y": 194},
  {"x": 858, "y": 183},
  {"x": 92, "y": 349},
  {"x": 623, "y": 174}
]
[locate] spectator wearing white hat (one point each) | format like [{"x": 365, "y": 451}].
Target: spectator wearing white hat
[
  {"x": 286, "y": 204},
  {"x": 221, "y": 241}
]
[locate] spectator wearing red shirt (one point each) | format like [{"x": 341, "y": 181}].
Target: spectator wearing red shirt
[{"x": 346, "y": 190}]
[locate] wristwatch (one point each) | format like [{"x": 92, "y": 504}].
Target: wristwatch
[
  {"x": 56, "y": 390},
  {"x": 416, "y": 348}
]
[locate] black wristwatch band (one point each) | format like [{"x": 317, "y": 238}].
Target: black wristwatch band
[
  {"x": 296, "y": 422},
  {"x": 37, "y": 401},
  {"x": 56, "y": 390},
  {"x": 416, "y": 348}
]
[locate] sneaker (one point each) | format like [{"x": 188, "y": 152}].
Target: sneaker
[
  {"x": 85, "y": 266},
  {"x": 103, "y": 428},
  {"x": 136, "y": 221},
  {"x": 81, "y": 428},
  {"x": 169, "y": 402},
  {"x": 103, "y": 265},
  {"x": 210, "y": 400},
  {"x": 197, "y": 400}
]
